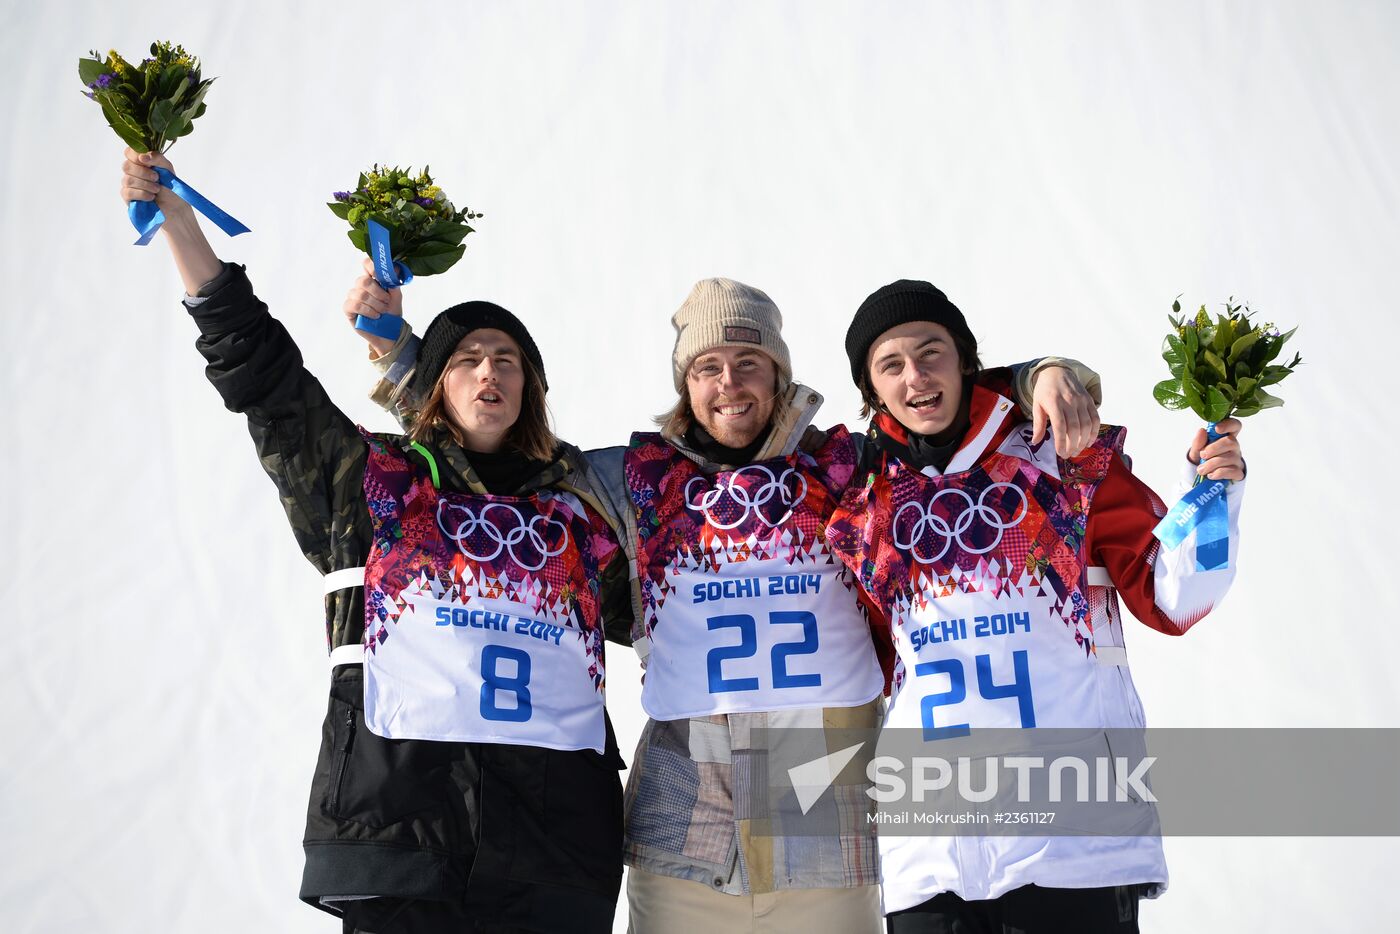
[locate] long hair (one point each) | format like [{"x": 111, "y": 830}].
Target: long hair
[
  {"x": 968, "y": 362},
  {"x": 531, "y": 435},
  {"x": 676, "y": 420}
]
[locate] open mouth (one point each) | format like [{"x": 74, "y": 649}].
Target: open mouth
[
  {"x": 733, "y": 411},
  {"x": 927, "y": 402},
  {"x": 490, "y": 398}
]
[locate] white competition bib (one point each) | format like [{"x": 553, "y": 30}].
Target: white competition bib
[
  {"x": 756, "y": 635},
  {"x": 980, "y": 660},
  {"x": 491, "y": 671}
]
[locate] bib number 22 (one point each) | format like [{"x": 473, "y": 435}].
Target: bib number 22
[{"x": 748, "y": 647}]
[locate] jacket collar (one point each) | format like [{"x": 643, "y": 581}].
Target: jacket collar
[
  {"x": 551, "y": 474},
  {"x": 988, "y": 412},
  {"x": 792, "y": 415}
]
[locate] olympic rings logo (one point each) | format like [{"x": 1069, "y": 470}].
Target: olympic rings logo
[
  {"x": 789, "y": 488},
  {"x": 913, "y": 522},
  {"x": 479, "y": 529}
]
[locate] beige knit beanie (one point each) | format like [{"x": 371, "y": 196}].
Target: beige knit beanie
[{"x": 725, "y": 313}]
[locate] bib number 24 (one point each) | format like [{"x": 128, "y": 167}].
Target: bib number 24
[
  {"x": 748, "y": 647},
  {"x": 1019, "y": 688}
]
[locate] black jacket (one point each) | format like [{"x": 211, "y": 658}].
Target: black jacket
[{"x": 444, "y": 833}]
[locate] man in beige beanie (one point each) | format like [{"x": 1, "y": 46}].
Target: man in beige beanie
[{"x": 730, "y": 365}]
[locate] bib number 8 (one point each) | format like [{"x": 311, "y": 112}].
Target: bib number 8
[
  {"x": 494, "y": 683},
  {"x": 1019, "y": 688},
  {"x": 748, "y": 647}
]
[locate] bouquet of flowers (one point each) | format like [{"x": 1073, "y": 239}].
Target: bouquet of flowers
[
  {"x": 424, "y": 228},
  {"x": 150, "y": 106},
  {"x": 1220, "y": 367}
]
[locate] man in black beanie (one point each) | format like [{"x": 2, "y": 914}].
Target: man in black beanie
[{"x": 938, "y": 423}]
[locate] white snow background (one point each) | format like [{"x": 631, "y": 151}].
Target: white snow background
[{"x": 1062, "y": 171}]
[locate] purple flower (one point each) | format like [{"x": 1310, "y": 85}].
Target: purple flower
[
  {"x": 103, "y": 80},
  {"x": 341, "y": 195},
  {"x": 424, "y": 202}
]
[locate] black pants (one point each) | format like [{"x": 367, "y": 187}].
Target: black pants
[
  {"x": 1027, "y": 910},
  {"x": 522, "y": 909}
]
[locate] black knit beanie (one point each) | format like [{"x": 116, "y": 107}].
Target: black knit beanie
[
  {"x": 895, "y": 304},
  {"x": 447, "y": 330}
]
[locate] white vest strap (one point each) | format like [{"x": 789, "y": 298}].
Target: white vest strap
[
  {"x": 347, "y": 655},
  {"x": 1112, "y": 655},
  {"x": 344, "y": 579},
  {"x": 1096, "y": 576}
]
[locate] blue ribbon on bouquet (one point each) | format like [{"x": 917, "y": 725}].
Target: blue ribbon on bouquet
[
  {"x": 390, "y": 274},
  {"x": 147, "y": 218},
  {"x": 1204, "y": 511}
]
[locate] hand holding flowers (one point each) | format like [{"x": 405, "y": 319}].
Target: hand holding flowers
[{"x": 150, "y": 106}]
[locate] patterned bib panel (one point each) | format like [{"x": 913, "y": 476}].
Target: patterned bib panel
[
  {"x": 481, "y": 612},
  {"x": 983, "y": 575},
  {"x": 746, "y": 608}
]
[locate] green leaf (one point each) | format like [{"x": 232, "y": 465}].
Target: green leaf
[
  {"x": 169, "y": 79},
  {"x": 180, "y": 90},
  {"x": 1246, "y": 410},
  {"x": 1244, "y": 387},
  {"x": 1276, "y": 346},
  {"x": 1191, "y": 392},
  {"x": 1174, "y": 352},
  {"x": 359, "y": 238},
  {"x": 430, "y": 248},
  {"x": 1224, "y": 335},
  {"x": 1216, "y": 364},
  {"x": 1217, "y": 406},
  {"x": 89, "y": 69},
  {"x": 1266, "y": 401},
  {"x": 161, "y": 115},
  {"x": 1242, "y": 345},
  {"x": 126, "y": 128},
  {"x": 340, "y": 209},
  {"x": 1192, "y": 340},
  {"x": 447, "y": 230},
  {"x": 194, "y": 107},
  {"x": 1273, "y": 374},
  {"x": 1242, "y": 371},
  {"x": 436, "y": 263},
  {"x": 1168, "y": 393}
]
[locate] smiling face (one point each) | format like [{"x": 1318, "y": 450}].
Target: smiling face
[
  {"x": 915, "y": 371},
  {"x": 732, "y": 390},
  {"x": 483, "y": 386}
]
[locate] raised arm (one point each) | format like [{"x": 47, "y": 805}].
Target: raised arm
[{"x": 312, "y": 452}]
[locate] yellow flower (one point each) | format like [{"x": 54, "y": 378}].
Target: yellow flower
[{"x": 117, "y": 63}]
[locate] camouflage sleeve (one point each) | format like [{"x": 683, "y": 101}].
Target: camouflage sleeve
[{"x": 308, "y": 447}]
